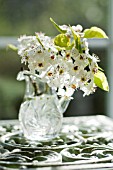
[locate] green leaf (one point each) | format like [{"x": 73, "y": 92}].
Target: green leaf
[
  {"x": 77, "y": 40},
  {"x": 62, "y": 40},
  {"x": 75, "y": 35},
  {"x": 101, "y": 81},
  {"x": 100, "y": 68},
  {"x": 13, "y": 47},
  {"x": 39, "y": 40},
  {"x": 70, "y": 46},
  {"x": 94, "y": 32},
  {"x": 57, "y": 26},
  {"x": 65, "y": 48}
]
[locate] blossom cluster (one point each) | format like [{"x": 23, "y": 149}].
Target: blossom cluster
[{"x": 63, "y": 62}]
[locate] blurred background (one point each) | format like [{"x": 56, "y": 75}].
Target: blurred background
[{"x": 18, "y": 17}]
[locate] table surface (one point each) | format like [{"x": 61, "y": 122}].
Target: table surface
[{"x": 86, "y": 130}]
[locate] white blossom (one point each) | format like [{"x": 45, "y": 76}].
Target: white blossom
[{"x": 63, "y": 69}]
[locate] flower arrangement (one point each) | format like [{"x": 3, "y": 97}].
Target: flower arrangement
[{"x": 64, "y": 62}]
